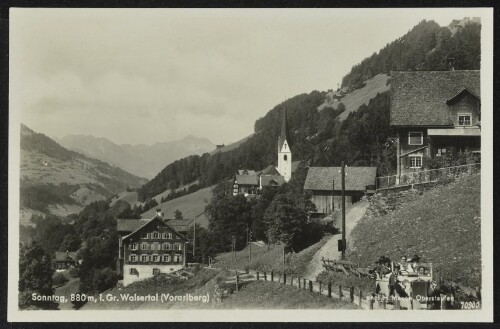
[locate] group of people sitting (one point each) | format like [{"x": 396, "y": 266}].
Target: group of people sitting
[{"x": 407, "y": 265}]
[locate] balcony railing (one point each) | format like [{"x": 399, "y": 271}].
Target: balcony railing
[{"x": 427, "y": 176}]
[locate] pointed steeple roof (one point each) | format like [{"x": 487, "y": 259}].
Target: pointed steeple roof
[{"x": 283, "y": 135}]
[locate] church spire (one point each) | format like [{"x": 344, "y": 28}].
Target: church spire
[{"x": 283, "y": 135}]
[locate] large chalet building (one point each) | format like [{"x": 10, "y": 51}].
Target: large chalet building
[
  {"x": 435, "y": 113},
  {"x": 149, "y": 247}
]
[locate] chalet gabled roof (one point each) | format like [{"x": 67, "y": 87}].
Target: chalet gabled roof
[
  {"x": 419, "y": 98},
  {"x": 356, "y": 179},
  {"x": 460, "y": 94},
  {"x": 141, "y": 223},
  {"x": 246, "y": 179}
]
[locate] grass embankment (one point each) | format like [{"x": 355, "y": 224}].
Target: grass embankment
[
  {"x": 442, "y": 226},
  {"x": 267, "y": 295},
  {"x": 265, "y": 260}
]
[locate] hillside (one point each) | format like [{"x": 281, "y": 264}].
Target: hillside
[
  {"x": 59, "y": 181},
  {"x": 142, "y": 160},
  {"x": 325, "y": 130},
  {"x": 442, "y": 226},
  {"x": 190, "y": 205},
  {"x": 425, "y": 47}
]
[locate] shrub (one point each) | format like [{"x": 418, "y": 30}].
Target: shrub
[
  {"x": 74, "y": 272},
  {"x": 59, "y": 279},
  {"x": 104, "y": 279}
]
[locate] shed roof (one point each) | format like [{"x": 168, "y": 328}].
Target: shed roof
[
  {"x": 65, "y": 256},
  {"x": 419, "y": 98},
  {"x": 356, "y": 179},
  {"x": 247, "y": 179}
]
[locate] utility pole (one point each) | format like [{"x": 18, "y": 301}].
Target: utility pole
[
  {"x": 250, "y": 246},
  {"x": 333, "y": 195},
  {"x": 343, "y": 210},
  {"x": 194, "y": 233},
  {"x": 234, "y": 247}
]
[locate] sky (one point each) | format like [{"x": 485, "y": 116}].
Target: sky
[{"x": 142, "y": 76}]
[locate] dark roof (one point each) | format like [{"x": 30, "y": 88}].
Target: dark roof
[
  {"x": 180, "y": 225},
  {"x": 130, "y": 225},
  {"x": 269, "y": 170},
  {"x": 246, "y": 179},
  {"x": 63, "y": 256},
  {"x": 141, "y": 223},
  {"x": 419, "y": 98},
  {"x": 356, "y": 179},
  {"x": 272, "y": 180}
]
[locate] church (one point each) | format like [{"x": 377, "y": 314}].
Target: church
[{"x": 249, "y": 182}]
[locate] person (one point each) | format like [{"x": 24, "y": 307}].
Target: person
[
  {"x": 414, "y": 259},
  {"x": 393, "y": 280}
]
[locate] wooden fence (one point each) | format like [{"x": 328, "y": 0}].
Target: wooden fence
[{"x": 426, "y": 176}]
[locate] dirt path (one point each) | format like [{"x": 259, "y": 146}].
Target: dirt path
[{"x": 330, "y": 249}]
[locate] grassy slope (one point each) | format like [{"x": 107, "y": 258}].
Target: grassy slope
[
  {"x": 272, "y": 260},
  {"x": 353, "y": 100},
  {"x": 442, "y": 226},
  {"x": 190, "y": 205},
  {"x": 267, "y": 295}
]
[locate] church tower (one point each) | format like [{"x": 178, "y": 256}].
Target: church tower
[{"x": 284, "y": 152}]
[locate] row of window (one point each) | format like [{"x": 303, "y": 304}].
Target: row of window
[
  {"x": 417, "y": 137},
  {"x": 154, "y": 258},
  {"x": 159, "y": 235},
  {"x": 133, "y": 271},
  {"x": 155, "y": 246}
]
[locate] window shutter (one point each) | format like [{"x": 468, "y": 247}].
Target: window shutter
[{"x": 406, "y": 162}]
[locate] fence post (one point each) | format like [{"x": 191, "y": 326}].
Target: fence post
[
  {"x": 371, "y": 302},
  {"x": 360, "y": 297},
  {"x": 397, "y": 303},
  {"x": 298, "y": 280},
  {"x": 340, "y": 292},
  {"x": 329, "y": 289},
  {"x": 304, "y": 283},
  {"x": 320, "y": 287},
  {"x": 236, "y": 281},
  {"x": 384, "y": 303},
  {"x": 257, "y": 276},
  {"x": 272, "y": 276},
  {"x": 265, "y": 276},
  {"x": 310, "y": 286},
  {"x": 351, "y": 293},
  {"x": 284, "y": 278},
  {"x": 246, "y": 271}
]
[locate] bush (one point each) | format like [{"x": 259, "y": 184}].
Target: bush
[
  {"x": 59, "y": 279},
  {"x": 74, "y": 272},
  {"x": 104, "y": 279}
]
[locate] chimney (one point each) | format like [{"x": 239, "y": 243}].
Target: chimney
[
  {"x": 451, "y": 63},
  {"x": 159, "y": 213}
]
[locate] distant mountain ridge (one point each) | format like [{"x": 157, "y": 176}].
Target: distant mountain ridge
[
  {"x": 142, "y": 160},
  {"x": 55, "y": 180}
]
